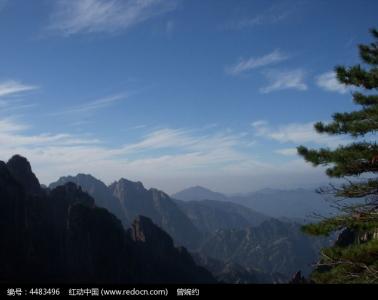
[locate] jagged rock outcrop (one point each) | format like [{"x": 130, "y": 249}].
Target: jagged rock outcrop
[
  {"x": 61, "y": 236},
  {"x": 298, "y": 278},
  {"x": 349, "y": 236}
]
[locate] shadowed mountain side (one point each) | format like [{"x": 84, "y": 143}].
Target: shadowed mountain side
[
  {"x": 61, "y": 236},
  {"x": 99, "y": 191},
  {"x": 20, "y": 169},
  {"x": 127, "y": 200},
  {"x": 152, "y": 242},
  {"x": 210, "y": 215}
]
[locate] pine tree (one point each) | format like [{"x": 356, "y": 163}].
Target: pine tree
[{"x": 354, "y": 257}]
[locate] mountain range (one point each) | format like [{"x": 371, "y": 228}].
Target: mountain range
[
  {"x": 80, "y": 230},
  {"x": 130, "y": 199},
  {"x": 213, "y": 229},
  {"x": 60, "y": 235}
]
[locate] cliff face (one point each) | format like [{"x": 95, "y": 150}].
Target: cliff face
[
  {"x": 153, "y": 243},
  {"x": 61, "y": 236}
]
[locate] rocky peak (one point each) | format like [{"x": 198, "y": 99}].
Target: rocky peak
[
  {"x": 133, "y": 185},
  {"x": 124, "y": 188},
  {"x": 298, "y": 279},
  {"x": 21, "y": 170}
]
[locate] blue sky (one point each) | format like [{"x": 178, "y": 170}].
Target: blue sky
[{"x": 175, "y": 92}]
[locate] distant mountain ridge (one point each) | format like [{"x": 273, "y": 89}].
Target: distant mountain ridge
[
  {"x": 296, "y": 204},
  {"x": 197, "y": 193},
  {"x": 211, "y": 215}
]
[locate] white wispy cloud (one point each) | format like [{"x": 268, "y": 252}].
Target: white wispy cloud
[
  {"x": 93, "y": 105},
  {"x": 283, "y": 80},
  {"x": 297, "y": 133},
  {"x": 287, "y": 151},
  {"x": 11, "y": 97},
  {"x": 66, "y": 153},
  {"x": 245, "y": 65},
  {"x": 261, "y": 19},
  {"x": 11, "y": 135},
  {"x": 259, "y": 123},
  {"x": 329, "y": 82},
  {"x": 12, "y": 87},
  {"x": 169, "y": 138},
  {"x": 274, "y": 14},
  {"x": 104, "y": 16},
  {"x": 9, "y": 126}
]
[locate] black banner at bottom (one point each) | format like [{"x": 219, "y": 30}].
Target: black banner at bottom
[{"x": 179, "y": 291}]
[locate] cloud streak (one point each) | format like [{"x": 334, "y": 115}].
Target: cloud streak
[
  {"x": 284, "y": 80},
  {"x": 287, "y": 151},
  {"x": 275, "y": 14},
  {"x": 245, "y": 65},
  {"x": 12, "y": 87},
  {"x": 72, "y": 17},
  {"x": 92, "y": 106}
]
